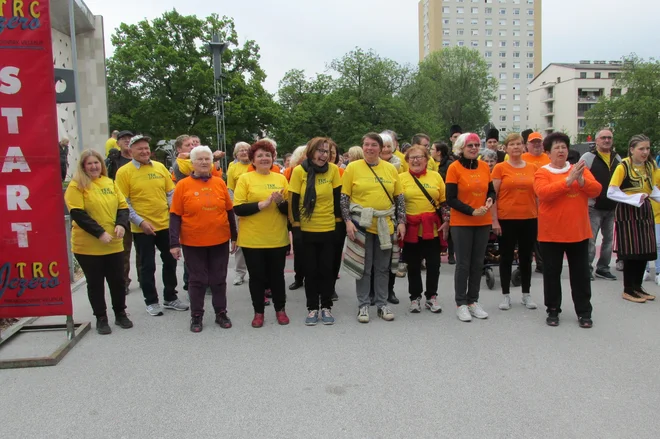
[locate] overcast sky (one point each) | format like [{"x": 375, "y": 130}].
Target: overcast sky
[{"x": 307, "y": 34}]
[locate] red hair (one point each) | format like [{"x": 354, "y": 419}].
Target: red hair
[{"x": 261, "y": 144}]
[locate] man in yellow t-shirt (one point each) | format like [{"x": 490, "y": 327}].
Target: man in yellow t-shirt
[
  {"x": 148, "y": 189},
  {"x": 111, "y": 143}
]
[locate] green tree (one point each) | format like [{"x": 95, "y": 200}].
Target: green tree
[
  {"x": 452, "y": 86},
  {"x": 636, "y": 110},
  {"x": 160, "y": 80}
]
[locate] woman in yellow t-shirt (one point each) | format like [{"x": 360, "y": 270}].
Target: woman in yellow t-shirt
[
  {"x": 423, "y": 227},
  {"x": 314, "y": 192},
  {"x": 632, "y": 185},
  {"x": 372, "y": 203},
  {"x": 100, "y": 219},
  {"x": 260, "y": 203}
]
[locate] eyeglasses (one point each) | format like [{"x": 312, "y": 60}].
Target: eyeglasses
[
  {"x": 606, "y": 137},
  {"x": 323, "y": 151},
  {"x": 415, "y": 158},
  {"x": 472, "y": 145}
]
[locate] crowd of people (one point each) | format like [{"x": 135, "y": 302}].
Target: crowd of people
[{"x": 380, "y": 211}]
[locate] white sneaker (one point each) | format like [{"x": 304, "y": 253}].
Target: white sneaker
[
  {"x": 414, "y": 307},
  {"x": 433, "y": 305},
  {"x": 506, "y": 303},
  {"x": 657, "y": 279},
  {"x": 463, "y": 313},
  {"x": 155, "y": 309},
  {"x": 363, "y": 315},
  {"x": 528, "y": 302},
  {"x": 477, "y": 311},
  {"x": 238, "y": 280},
  {"x": 385, "y": 313},
  {"x": 646, "y": 276}
]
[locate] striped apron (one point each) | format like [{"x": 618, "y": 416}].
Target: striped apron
[{"x": 635, "y": 232}]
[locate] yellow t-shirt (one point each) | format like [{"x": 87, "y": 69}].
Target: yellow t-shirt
[
  {"x": 267, "y": 228},
  {"x": 362, "y": 187},
  {"x": 404, "y": 164},
  {"x": 655, "y": 204},
  {"x": 101, "y": 202},
  {"x": 620, "y": 173},
  {"x": 416, "y": 201},
  {"x": 146, "y": 188},
  {"x": 323, "y": 218},
  {"x": 606, "y": 157},
  {"x": 235, "y": 170},
  {"x": 432, "y": 165},
  {"x": 110, "y": 144}
]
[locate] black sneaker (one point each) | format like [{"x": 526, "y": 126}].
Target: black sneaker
[
  {"x": 552, "y": 319},
  {"x": 222, "y": 319},
  {"x": 334, "y": 296},
  {"x": 451, "y": 260},
  {"x": 539, "y": 269},
  {"x": 196, "y": 323},
  {"x": 602, "y": 274},
  {"x": 391, "y": 297},
  {"x": 585, "y": 322},
  {"x": 102, "y": 326},
  {"x": 122, "y": 321}
]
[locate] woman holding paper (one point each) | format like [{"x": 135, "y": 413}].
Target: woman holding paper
[{"x": 633, "y": 183}]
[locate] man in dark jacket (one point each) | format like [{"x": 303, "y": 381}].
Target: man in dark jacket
[
  {"x": 602, "y": 161},
  {"x": 64, "y": 157}
]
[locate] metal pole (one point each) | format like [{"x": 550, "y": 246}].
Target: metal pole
[{"x": 74, "y": 59}]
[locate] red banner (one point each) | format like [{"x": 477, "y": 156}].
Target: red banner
[{"x": 34, "y": 274}]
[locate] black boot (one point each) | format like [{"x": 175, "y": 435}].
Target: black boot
[
  {"x": 391, "y": 297},
  {"x": 102, "y": 326},
  {"x": 121, "y": 320}
]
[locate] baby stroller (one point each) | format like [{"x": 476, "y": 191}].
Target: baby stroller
[{"x": 492, "y": 259}]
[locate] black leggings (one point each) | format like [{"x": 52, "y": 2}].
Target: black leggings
[
  {"x": 101, "y": 269},
  {"x": 633, "y": 273},
  {"x": 523, "y": 233},
  {"x": 266, "y": 269}
]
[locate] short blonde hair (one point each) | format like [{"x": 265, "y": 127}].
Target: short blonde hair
[
  {"x": 417, "y": 147},
  {"x": 238, "y": 146},
  {"x": 80, "y": 177},
  {"x": 355, "y": 153},
  {"x": 512, "y": 138}
]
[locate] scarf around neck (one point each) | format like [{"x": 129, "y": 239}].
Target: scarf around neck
[{"x": 310, "y": 192}]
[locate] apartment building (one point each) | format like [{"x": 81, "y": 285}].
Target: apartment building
[
  {"x": 507, "y": 33},
  {"x": 562, "y": 93}
]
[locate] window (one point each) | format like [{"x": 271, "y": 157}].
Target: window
[
  {"x": 530, "y": 76},
  {"x": 616, "y": 92},
  {"x": 475, "y": 10},
  {"x": 489, "y": 32},
  {"x": 445, "y": 21},
  {"x": 502, "y": 33},
  {"x": 475, "y": 32},
  {"x": 488, "y": 10},
  {"x": 459, "y": 31},
  {"x": 502, "y": 87},
  {"x": 474, "y": 22},
  {"x": 516, "y": 54},
  {"x": 530, "y": 54},
  {"x": 530, "y": 33},
  {"x": 502, "y": 11},
  {"x": 445, "y": 9},
  {"x": 460, "y": 43},
  {"x": 597, "y": 75},
  {"x": 459, "y": 21},
  {"x": 516, "y": 32},
  {"x": 460, "y": 10},
  {"x": 503, "y": 97},
  {"x": 530, "y": 12},
  {"x": 516, "y": 11},
  {"x": 502, "y": 65},
  {"x": 503, "y": 130},
  {"x": 489, "y": 66},
  {"x": 489, "y": 22},
  {"x": 503, "y": 118},
  {"x": 488, "y": 54},
  {"x": 503, "y": 22},
  {"x": 502, "y": 43},
  {"x": 530, "y": 23},
  {"x": 583, "y": 75},
  {"x": 516, "y": 2},
  {"x": 516, "y": 86},
  {"x": 489, "y": 43},
  {"x": 502, "y": 75},
  {"x": 516, "y": 97},
  {"x": 502, "y": 107},
  {"x": 516, "y": 75},
  {"x": 474, "y": 43},
  {"x": 613, "y": 75},
  {"x": 445, "y": 43},
  {"x": 516, "y": 118},
  {"x": 530, "y": 44},
  {"x": 516, "y": 65},
  {"x": 445, "y": 31},
  {"x": 516, "y": 108},
  {"x": 530, "y": 2},
  {"x": 530, "y": 65},
  {"x": 502, "y": 54}
]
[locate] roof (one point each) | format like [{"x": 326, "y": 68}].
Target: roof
[{"x": 580, "y": 66}]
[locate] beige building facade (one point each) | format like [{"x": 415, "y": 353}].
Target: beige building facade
[
  {"x": 507, "y": 33},
  {"x": 562, "y": 93}
]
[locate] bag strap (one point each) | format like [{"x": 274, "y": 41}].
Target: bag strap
[
  {"x": 381, "y": 183},
  {"x": 426, "y": 194}
]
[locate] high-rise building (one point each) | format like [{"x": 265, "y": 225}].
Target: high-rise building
[{"x": 507, "y": 33}]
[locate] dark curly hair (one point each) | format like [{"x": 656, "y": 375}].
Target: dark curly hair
[
  {"x": 556, "y": 137},
  {"x": 261, "y": 144}
]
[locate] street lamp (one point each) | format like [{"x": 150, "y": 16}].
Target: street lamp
[{"x": 217, "y": 48}]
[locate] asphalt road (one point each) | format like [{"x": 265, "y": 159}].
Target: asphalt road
[{"x": 420, "y": 376}]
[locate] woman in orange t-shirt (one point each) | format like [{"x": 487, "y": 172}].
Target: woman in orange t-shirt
[
  {"x": 564, "y": 228},
  {"x": 470, "y": 194},
  {"x": 202, "y": 223},
  {"x": 514, "y": 217}
]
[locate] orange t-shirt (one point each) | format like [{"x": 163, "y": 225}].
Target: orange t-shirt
[
  {"x": 275, "y": 168},
  {"x": 516, "y": 198},
  {"x": 287, "y": 173},
  {"x": 341, "y": 172},
  {"x": 472, "y": 190},
  {"x": 563, "y": 210},
  {"x": 203, "y": 208},
  {"x": 539, "y": 161}
]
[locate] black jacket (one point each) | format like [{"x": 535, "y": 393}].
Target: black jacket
[{"x": 603, "y": 174}]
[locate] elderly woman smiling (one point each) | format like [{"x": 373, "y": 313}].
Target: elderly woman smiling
[
  {"x": 202, "y": 224},
  {"x": 563, "y": 191}
]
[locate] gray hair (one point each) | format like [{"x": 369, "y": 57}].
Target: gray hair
[
  {"x": 297, "y": 156},
  {"x": 271, "y": 141},
  {"x": 388, "y": 139},
  {"x": 600, "y": 131},
  {"x": 489, "y": 154},
  {"x": 198, "y": 151},
  {"x": 457, "y": 147},
  {"x": 238, "y": 146}
]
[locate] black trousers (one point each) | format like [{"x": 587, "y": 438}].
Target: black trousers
[
  {"x": 146, "y": 246},
  {"x": 339, "y": 237},
  {"x": 266, "y": 269},
  {"x": 633, "y": 273},
  {"x": 523, "y": 234},
  {"x": 298, "y": 256},
  {"x": 319, "y": 258},
  {"x": 424, "y": 249},
  {"x": 577, "y": 254},
  {"x": 101, "y": 269}
]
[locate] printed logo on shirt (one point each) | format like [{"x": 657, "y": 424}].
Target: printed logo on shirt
[
  {"x": 274, "y": 186},
  {"x": 107, "y": 191},
  {"x": 153, "y": 176},
  {"x": 382, "y": 180},
  {"x": 323, "y": 181}
]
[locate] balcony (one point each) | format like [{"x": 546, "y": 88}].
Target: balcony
[
  {"x": 548, "y": 98},
  {"x": 590, "y": 98}
]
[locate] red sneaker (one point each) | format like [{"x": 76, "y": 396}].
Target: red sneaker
[
  {"x": 258, "y": 320},
  {"x": 282, "y": 318}
]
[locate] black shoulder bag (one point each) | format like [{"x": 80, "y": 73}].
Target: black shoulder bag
[
  {"x": 381, "y": 184},
  {"x": 438, "y": 211}
]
